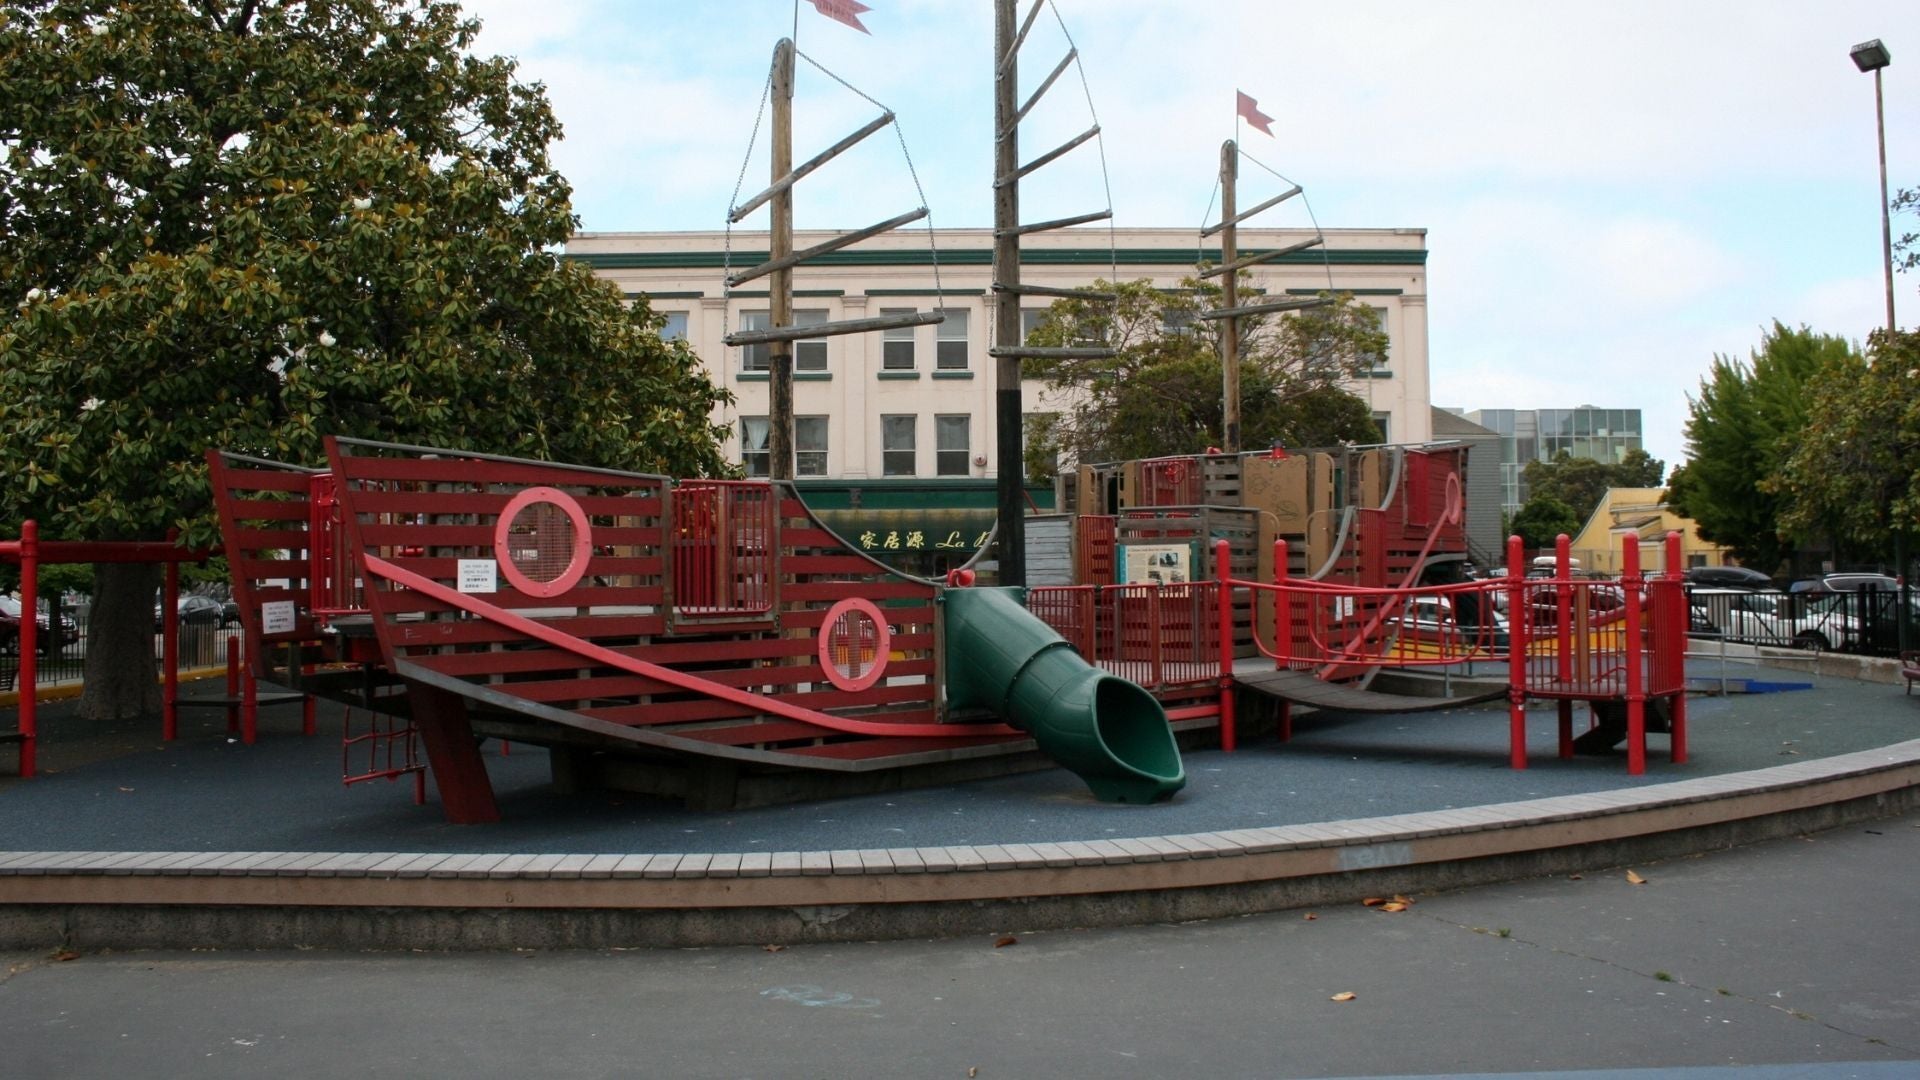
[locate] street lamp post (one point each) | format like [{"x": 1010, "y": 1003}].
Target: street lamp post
[{"x": 1873, "y": 56}]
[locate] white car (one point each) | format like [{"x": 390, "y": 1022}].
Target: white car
[{"x": 1774, "y": 618}]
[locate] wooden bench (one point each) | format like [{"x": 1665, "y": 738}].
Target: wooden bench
[{"x": 1910, "y": 667}]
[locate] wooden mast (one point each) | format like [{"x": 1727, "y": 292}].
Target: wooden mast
[
  {"x": 1230, "y": 336},
  {"x": 780, "y": 289},
  {"x": 1010, "y": 455}
]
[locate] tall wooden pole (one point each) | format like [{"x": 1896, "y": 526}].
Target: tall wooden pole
[
  {"x": 1230, "y": 338},
  {"x": 1010, "y": 452},
  {"x": 780, "y": 290}
]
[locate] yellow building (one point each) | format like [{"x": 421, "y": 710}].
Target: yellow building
[{"x": 1641, "y": 512}]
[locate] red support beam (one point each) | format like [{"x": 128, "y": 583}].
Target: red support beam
[{"x": 29, "y": 644}]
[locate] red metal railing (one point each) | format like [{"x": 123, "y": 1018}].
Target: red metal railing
[
  {"x": 1153, "y": 635},
  {"x": 1171, "y": 482},
  {"x": 723, "y": 553},
  {"x": 1094, "y": 547}
]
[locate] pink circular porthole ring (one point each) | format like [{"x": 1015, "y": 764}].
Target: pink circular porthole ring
[
  {"x": 581, "y": 545},
  {"x": 853, "y": 645}
]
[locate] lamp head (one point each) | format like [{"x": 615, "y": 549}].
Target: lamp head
[{"x": 1870, "y": 55}]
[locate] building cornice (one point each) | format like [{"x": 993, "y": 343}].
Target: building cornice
[{"x": 717, "y": 260}]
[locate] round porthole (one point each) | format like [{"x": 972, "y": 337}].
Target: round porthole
[
  {"x": 542, "y": 541},
  {"x": 854, "y": 644}
]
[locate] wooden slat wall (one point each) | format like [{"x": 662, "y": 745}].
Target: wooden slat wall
[
  {"x": 425, "y": 514},
  {"x": 263, "y": 513}
]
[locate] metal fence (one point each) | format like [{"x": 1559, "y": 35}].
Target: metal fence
[
  {"x": 62, "y": 646},
  {"x": 1864, "y": 623}
]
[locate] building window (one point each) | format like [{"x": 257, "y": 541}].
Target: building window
[
  {"x": 810, "y": 355},
  {"x": 952, "y": 444},
  {"x": 754, "y": 357},
  {"x": 1030, "y": 320},
  {"x": 675, "y": 328},
  {"x": 1380, "y": 420},
  {"x": 897, "y": 445},
  {"x": 950, "y": 350},
  {"x": 809, "y": 446},
  {"x": 1386, "y": 357},
  {"x": 754, "y": 454},
  {"x": 896, "y": 343},
  {"x": 807, "y": 355}
]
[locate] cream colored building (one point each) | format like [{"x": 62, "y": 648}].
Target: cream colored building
[
  {"x": 919, "y": 403},
  {"x": 1641, "y": 513}
]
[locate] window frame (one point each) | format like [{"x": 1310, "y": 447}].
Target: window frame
[
  {"x": 942, "y": 454},
  {"x": 889, "y": 426}
]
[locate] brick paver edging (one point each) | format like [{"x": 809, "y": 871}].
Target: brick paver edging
[{"x": 941, "y": 875}]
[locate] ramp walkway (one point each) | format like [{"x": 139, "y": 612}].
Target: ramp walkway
[{"x": 1307, "y": 688}]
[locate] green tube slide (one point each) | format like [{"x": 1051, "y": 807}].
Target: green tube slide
[{"x": 1108, "y": 731}]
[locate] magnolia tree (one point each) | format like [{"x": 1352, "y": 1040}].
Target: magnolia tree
[{"x": 249, "y": 224}]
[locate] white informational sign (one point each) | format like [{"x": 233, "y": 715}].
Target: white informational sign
[
  {"x": 479, "y": 575},
  {"x": 276, "y": 617},
  {"x": 1156, "y": 564}
]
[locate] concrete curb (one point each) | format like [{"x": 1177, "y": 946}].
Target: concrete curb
[{"x": 446, "y": 901}]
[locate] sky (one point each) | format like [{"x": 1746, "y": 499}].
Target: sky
[{"x": 1613, "y": 193}]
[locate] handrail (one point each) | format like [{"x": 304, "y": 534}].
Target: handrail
[{"x": 680, "y": 680}]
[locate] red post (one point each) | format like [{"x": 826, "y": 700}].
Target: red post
[
  {"x": 1636, "y": 656},
  {"x": 1223, "y": 573},
  {"x": 1516, "y": 653},
  {"x": 29, "y": 642},
  {"x": 233, "y": 685},
  {"x": 1677, "y": 641},
  {"x": 170, "y": 654},
  {"x": 249, "y": 697},
  {"x": 1282, "y": 629}
]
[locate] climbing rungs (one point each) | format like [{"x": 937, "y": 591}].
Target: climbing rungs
[
  {"x": 1254, "y": 260},
  {"x": 1245, "y": 214},
  {"x": 1019, "y": 38},
  {"x": 1036, "y": 352},
  {"x": 833, "y": 329},
  {"x": 844, "y": 240},
  {"x": 815, "y": 162},
  {"x": 1048, "y": 157},
  {"x": 1298, "y": 303},
  {"x": 1057, "y": 223},
  {"x": 1049, "y": 290},
  {"x": 1045, "y": 85}
]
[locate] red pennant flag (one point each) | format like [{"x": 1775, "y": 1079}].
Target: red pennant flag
[
  {"x": 1248, "y": 109},
  {"x": 844, "y": 11}
]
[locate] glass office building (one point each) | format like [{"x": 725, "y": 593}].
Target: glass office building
[{"x": 1538, "y": 434}]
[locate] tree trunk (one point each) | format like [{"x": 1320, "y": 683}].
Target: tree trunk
[{"x": 122, "y": 679}]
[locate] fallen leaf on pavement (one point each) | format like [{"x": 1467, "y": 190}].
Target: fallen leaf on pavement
[
  {"x": 1635, "y": 879},
  {"x": 1310, "y": 916},
  {"x": 1344, "y": 995},
  {"x": 1006, "y": 941},
  {"x": 774, "y": 948},
  {"x": 66, "y": 954},
  {"x": 1393, "y": 906},
  {"x": 1372, "y": 901}
]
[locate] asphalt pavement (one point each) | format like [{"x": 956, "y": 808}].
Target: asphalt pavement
[{"x": 1792, "y": 958}]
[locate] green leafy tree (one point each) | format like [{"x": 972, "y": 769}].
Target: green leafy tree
[
  {"x": 1161, "y": 393},
  {"x": 252, "y": 223},
  {"x": 1582, "y": 482},
  {"x": 1855, "y": 470},
  {"x": 1740, "y": 431},
  {"x": 1541, "y": 520}
]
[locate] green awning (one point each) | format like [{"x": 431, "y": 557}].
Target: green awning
[{"x": 885, "y": 532}]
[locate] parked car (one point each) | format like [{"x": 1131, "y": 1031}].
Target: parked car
[
  {"x": 10, "y": 627},
  {"x": 1728, "y": 577},
  {"x": 193, "y": 610},
  {"x": 1776, "y": 618},
  {"x": 1434, "y": 620},
  {"x": 1827, "y": 584}
]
